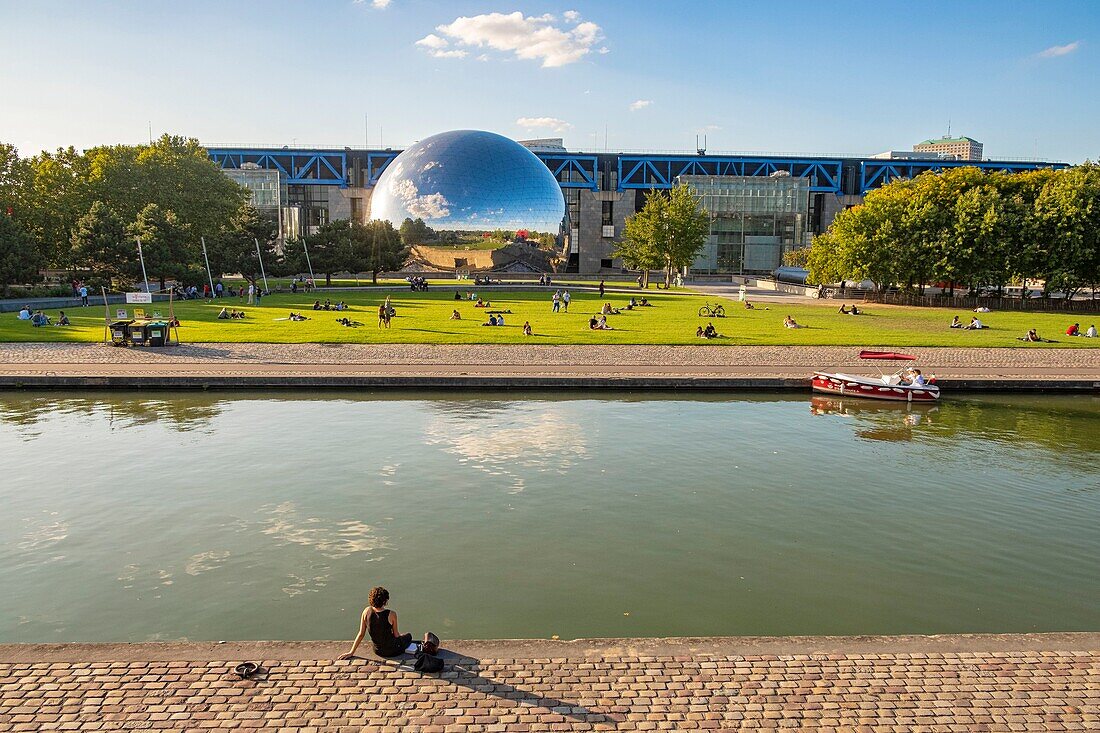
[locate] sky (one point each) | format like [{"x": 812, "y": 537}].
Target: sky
[{"x": 777, "y": 76}]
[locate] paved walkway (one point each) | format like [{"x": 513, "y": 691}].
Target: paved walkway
[
  {"x": 406, "y": 360},
  {"x": 1045, "y": 682}
]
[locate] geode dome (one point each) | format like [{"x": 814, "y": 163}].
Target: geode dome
[{"x": 469, "y": 180}]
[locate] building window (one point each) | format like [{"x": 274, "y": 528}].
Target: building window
[
  {"x": 605, "y": 263},
  {"x": 608, "y": 213}
]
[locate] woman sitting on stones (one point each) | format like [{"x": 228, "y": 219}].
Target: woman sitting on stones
[{"x": 381, "y": 624}]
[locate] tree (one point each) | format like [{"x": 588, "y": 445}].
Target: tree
[
  {"x": 330, "y": 248},
  {"x": 234, "y": 247},
  {"x": 385, "y": 247},
  {"x": 19, "y": 260},
  {"x": 101, "y": 245},
  {"x": 14, "y": 181},
  {"x": 688, "y": 225},
  {"x": 166, "y": 245},
  {"x": 668, "y": 233},
  {"x": 414, "y": 232},
  {"x": 1068, "y": 213}
]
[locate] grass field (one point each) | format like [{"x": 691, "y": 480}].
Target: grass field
[{"x": 672, "y": 319}]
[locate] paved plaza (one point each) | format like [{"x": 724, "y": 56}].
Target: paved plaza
[
  {"x": 407, "y": 360},
  {"x": 1043, "y": 682}
]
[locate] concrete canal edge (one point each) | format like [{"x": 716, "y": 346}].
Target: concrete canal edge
[
  {"x": 492, "y": 381},
  {"x": 594, "y": 648}
]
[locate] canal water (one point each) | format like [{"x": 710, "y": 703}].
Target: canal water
[{"x": 129, "y": 516}]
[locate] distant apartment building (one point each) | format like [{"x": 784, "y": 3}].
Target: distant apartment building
[{"x": 959, "y": 148}]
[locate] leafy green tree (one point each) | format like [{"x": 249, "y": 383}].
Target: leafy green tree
[
  {"x": 667, "y": 233},
  {"x": 14, "y": 181},
  {"x": 102, "y": 247},
  {"x": 414, "y": 232},
  {"x": 687, "y": 227},
  {"x": 385, "y": 249},
  {"x": 233, "y": 250},
  {"x": 1068, "y": 213},
  {"x": 167, "y": 245},
  {"x": 19, "y": 259},
  {"x": 643, "y": 237},
  {"x": 330, "y": 248}
]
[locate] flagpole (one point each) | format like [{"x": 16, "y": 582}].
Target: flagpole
[
  {"x": 106, "y": 316},
  {"x": 261, "y": 259},
  {"x": 209, "y": 274},
  {"x": 310, "y": 266},
  {"x": 141, "y": 255}
]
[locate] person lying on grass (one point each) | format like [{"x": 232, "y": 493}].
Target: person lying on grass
[
  {"x": 791, "y": 323},
  {"x": 348, "y": 322}
]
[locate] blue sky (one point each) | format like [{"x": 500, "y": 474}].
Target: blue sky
[{"x": 778, "y": 76}]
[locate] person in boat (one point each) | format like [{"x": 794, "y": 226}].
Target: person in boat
[
  {"x": 974, "y": 325},
  {"x": 956, "y": 323},
  {"x": 1091, "y": 333},
  {"x": 381, "y": 624},
  {"x": 914, "y": 378},
  {"x": 1074, "y": 330},
  {"x": 791, "y": 323}
]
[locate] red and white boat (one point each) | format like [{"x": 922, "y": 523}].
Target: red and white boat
[{"x": 891, "y": 387}]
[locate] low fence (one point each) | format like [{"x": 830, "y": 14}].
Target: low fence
[
  {"x": 12, "y": 305},
  {"x": 996, "y": 304}
]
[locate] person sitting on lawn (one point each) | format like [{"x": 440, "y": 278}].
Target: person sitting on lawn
[
  {"x": 223, "y": 314},
  {"x": 40, "y": 319},
  {"x": 956, "y": 323},
  {"x": 1091, "y": 333},
  {"x": 491, "y": 322},
  {"x": 609, "y": 310},
  {"x": 62, "y": 319},
  {"x": 526, "y": 328},
  {"x": 791, "y": 323},
  {"x": 297, "y": 317},
  {"x": 645, "y": 302},
  {"x": 844, "y": 308},
  {"x": 1031, "y": 336},
  {"x": 381, "y": 625},
  {"x": 710, "y": 332},
  {"x": 699, "y": 332},
  {"x": 593, "y": 324},
  {"x": 633, "y": 302},
  {"x": 601, "y": 323},
  {"x": 316, "y": 305},
  {"x": 1074, "y": 330},
  {"x": 749, "y": 306},
  {"x": 458, "y": 296},
  {"x": 974, "y": 325},
  {"x": 455, "y": 315},
  {"x": 341, "y": 306},
  {"x": 25, "y": 313},
  {"x": 855, "y": 310},
  {"x": 500, "y": 319}
]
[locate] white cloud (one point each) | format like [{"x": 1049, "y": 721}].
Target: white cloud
[
  {"x": 710, "y": 128},
  {"x": 376, "y": 4},
  {"x": 640, "y": 104},
  {"x": 421, "y": 206},
  {"x": 604, "y": 49},
  {"x": 571, "y": 16},
  {"x": 455, "y": 53},
  {"x": 528, "y": 37},
  {"x": 432, "y": 41},
  {"x": 1055, "y": 51},
  {"x": 552, "y": 123}
]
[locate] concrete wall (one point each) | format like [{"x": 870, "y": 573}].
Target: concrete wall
[{"x": 593, "y": 247}]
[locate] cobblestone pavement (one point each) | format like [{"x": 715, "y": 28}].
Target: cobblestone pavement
[
  {"x": 901, "y": 691},
  {"x": 702, "y": 360}
]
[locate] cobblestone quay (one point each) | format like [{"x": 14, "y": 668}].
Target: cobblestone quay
[{"x": 1039, "y": 682}]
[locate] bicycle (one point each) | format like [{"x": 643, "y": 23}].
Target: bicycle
[
  {"x": 824, "y": 293},
  {"x": 715, "y": 311}
]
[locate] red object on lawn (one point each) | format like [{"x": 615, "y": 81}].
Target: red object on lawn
[{"x": 886, "y": 355}]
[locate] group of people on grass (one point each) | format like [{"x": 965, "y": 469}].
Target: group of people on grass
[
  {"x": 37, "y": 318},
  {"x": 329, "y": 306},
  {"x": 234, "y": 314}
]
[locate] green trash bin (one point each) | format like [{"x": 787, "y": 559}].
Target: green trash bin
[
  {"x": 156, "y": 333},
  {"x": 120, "y": 332}
]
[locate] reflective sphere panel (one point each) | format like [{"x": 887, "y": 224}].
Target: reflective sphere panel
[{"x": 469, "y": 180}]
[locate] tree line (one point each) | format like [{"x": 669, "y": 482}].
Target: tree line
[
  {"x": 667, "y": 234},
  {"x": 83, "y": 211},
  {"x": 970, "y": 229}
]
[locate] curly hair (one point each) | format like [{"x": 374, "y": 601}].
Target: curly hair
[{"x": 378, "y": 597}]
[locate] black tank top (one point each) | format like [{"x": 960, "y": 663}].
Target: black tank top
[{"x": 381, "y": 633}]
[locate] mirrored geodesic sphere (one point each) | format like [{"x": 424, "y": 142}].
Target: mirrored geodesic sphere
[{"x": 469, "y": 180}]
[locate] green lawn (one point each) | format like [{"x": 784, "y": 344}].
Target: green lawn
[{"x": 672, "y": 319}]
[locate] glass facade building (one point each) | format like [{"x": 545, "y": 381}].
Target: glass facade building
[
  {"x": 469, "y": 181},
  {"x": 754, "y": 220}
]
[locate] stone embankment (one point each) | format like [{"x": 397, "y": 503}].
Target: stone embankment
[{"x": 1040, "y": 682}]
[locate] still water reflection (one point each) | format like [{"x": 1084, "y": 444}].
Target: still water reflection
[{"x": 138, "y": 516}]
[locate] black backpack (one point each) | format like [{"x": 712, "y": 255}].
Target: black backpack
[{"x": 427, "y": 663}]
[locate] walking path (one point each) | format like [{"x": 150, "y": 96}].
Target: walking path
[{"x": 1040, "y": 682}]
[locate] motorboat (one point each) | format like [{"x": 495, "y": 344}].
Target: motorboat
[{"x": 893, "y": 387}]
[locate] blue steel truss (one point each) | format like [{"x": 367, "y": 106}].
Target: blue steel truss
[
  {"x": 318, "y": 167},
  {"x": 650, "y": 171},
  {"x": 572, "y": 171},
  {"x": 876, "y": 173}
]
